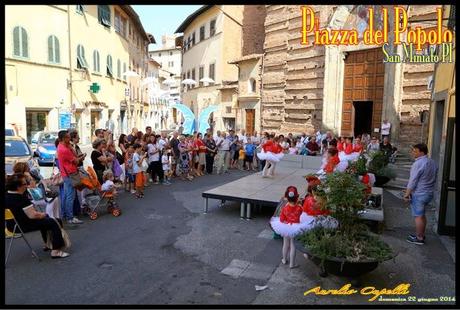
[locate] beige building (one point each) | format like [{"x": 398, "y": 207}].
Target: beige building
[
  {"x": 347, "y": 89},
  {"x": 211, "y": 38},
  {"x": 57, "y": 65},
  {"x": 248, "y": 96}
]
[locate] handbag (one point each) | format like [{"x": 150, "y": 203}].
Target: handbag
[
  {"x": 56, "y": 178},
  {"x": 75, "y": 178},
  {"x": 116, "y": 168},
  {"x": 65, "y": 236}
]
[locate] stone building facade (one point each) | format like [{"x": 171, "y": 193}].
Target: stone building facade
[{"x": 306, "y": 88}]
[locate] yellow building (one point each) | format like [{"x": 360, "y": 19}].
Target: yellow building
[
  {"x": 249, "y": 88},
  {"x": 212, "y": 36},
  {"x": 442, "y": 131},
  {"x": 70, "y": 59}
]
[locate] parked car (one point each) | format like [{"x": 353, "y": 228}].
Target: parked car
[
  {"x": 10, "y": 132},
  {"x": 46, "y": 149},
  {"x": 18, "y": 150}
]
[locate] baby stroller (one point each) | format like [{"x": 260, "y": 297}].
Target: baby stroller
[{"x": 98, "y": 197}]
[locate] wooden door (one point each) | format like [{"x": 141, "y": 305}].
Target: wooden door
[
  {"x": 363, "y": 81},
  {"x": 250, "y": 120}
]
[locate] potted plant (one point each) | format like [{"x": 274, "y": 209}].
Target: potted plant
[
  {"x": 378, "y": 165},
  {"x": 351, "y": 249}
]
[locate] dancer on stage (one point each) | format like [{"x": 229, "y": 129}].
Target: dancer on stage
[
  {"x": 272, "y": 153},
  {"x": 330, "y": 162},
  {"x": 288, "y": 225}
]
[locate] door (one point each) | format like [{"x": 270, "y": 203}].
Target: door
[
  {"x": 362, "y": 114},
  {"x": 94, "y": 121},
  {"x": 363, "y": 81},
  {"x": 250, "y": 121},
  {"x": 36, "y": 121},
  {"x": 446, "y": 224}
]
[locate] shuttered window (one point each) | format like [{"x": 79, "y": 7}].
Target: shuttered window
[
  {"x": 109, "y": 66},
  {"x": 212, "y": 68},
  {"x": 124, "y": 71},
  {"x": 20, "y": 42},
  {"x": 118, "y": 68},
  {"x": 96, "y": 61},
  {"x": 103, "y": 14},
  {"x": 81, "y": 61},
  {"x": 53, "y": 49}
]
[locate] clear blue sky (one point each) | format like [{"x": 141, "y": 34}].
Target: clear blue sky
[{"x": 163, "y": 19}]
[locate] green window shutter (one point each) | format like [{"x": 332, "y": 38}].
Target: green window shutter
[
  {"x": 50, "y": 49},
  {"x": 25, "y": 44},
  {"x": 118, "y": 68},
  {"x": 94, "y": 61},
  {"x": 124, "y": 70},
  {"x": 109, "y": 65},
  {"x": 57, "y": 56},
  {"x": 16, "y": 42}
]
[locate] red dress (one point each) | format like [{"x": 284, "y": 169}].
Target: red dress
[
  {"x": 311, "y": 207},
  {"x": 348, "y": 149},
  {"x": 340, "y": 146},
  {"x": 290, "y": 214},
  {"x": 333, "y": 161},
  {"x": 358, "y": 148},
  {"x": 267, "y": 146},
  {"x": 366, "y": 181},
  {"x": 276, "y": 148}
]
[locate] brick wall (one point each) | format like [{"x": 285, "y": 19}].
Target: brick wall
[{"x": 253, "y": 29}]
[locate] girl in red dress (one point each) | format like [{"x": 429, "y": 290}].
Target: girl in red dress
[
  {"x": 288, "y": 225},
  {"x": 358, "y": 146},
  {"x": 272, "y": 152},
  {"x": 332, "y": 160}
]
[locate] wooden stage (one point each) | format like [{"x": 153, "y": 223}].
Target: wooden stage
[{"x": 254, "y": 190}]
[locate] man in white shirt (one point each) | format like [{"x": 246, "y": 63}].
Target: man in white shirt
[
  {"x": 386, "y": 127},
  {"x": 223, "y": 147},
  {"x": 217, "y": 137},
  {"x": 153, "y": 152},
  {"x": 163, "y": 141}
]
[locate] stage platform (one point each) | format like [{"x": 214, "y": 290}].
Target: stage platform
[{"x": 254, "y": 190}]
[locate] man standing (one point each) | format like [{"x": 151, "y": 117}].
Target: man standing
[
  {"x": 148, "y": 130},
  {"x": 174, "y": 143},
  {"x": 419, "y": 192},
  {"x": 386, "y": 126},
  {"x": 223, "y": 146},
  {"x": 325, "y": 144},
  {"x": 68, "y": 162}
]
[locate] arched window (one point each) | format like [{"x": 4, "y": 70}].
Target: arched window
[
  {"x": 252, "y": 85},
  {"x": 96, "y": 62},
  {"x": 124, "y": 71},
  {"x": 53, "y": 49},
  {"x": 81, "y": 61},
  {"x": 20, "y": 42},
  {"x": 109, "y": 66},
  {"x": 118, "y": 68}
]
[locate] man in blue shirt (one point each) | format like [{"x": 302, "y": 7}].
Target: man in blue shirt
[
  {"x": 249, "y": 157},
  {"x": 419, "y": 192}
]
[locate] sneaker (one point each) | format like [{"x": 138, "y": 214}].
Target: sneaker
[
  {"x": 75, "y": 221},
  {"x": 413, "y": 239},
  {"x": 414, "y": 236},
  {"x": 166, "y": 183},
  {"x": 133, "y": 191}
]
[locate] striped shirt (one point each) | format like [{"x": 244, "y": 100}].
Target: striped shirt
[{"x": 423, "y": 175}]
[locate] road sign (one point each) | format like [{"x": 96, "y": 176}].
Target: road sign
[{"x": 64, "y": 120}]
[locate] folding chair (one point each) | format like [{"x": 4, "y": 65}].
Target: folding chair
[{"x": 9, "y": 216}]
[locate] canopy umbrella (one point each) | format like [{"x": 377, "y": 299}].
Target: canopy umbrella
[
  {"x": 207, "y": 80},
  {"x": 169, "y": 82},
  {"x": 131, "y": 74},
  {"x": 188, "y": 82}
]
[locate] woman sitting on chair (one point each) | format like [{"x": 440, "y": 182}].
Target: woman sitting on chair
[{"x": 28, "y": 218}]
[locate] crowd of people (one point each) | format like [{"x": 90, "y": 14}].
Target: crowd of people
[{"x": 139, "y": 159}]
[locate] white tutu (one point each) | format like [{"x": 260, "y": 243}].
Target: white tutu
[
  {"x": 325, "y": 221},
  {"x": 289, "y": 230},
  {"x": 342, "y": 166},
  {"x": 270, "y": 156},
  {"x": 344, "y": 157},
  {"x": 371, "y": 178}
]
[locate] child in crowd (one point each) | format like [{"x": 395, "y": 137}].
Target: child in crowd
[
  {"x": 249, "y": 149},
  {"x": 165, "y": 159},
  {"x": 241, "y": 158},
  {"x": 292, "y": 149},
  {"x": 138, "y": 158},
  {"x": 109, "y": 186},
  {"x": 129, "y": 175}
]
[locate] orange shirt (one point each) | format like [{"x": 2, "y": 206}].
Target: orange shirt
[{"x": 290, "y": 214}]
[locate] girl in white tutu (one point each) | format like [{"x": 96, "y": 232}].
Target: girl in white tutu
[
  {"x": 272, "y": 153},
  {"x": 348, "y": 153},
  {"x": 288, "y": 225}
]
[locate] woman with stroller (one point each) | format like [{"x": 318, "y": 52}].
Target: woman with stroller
[{"x": 28, "y": 218}]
